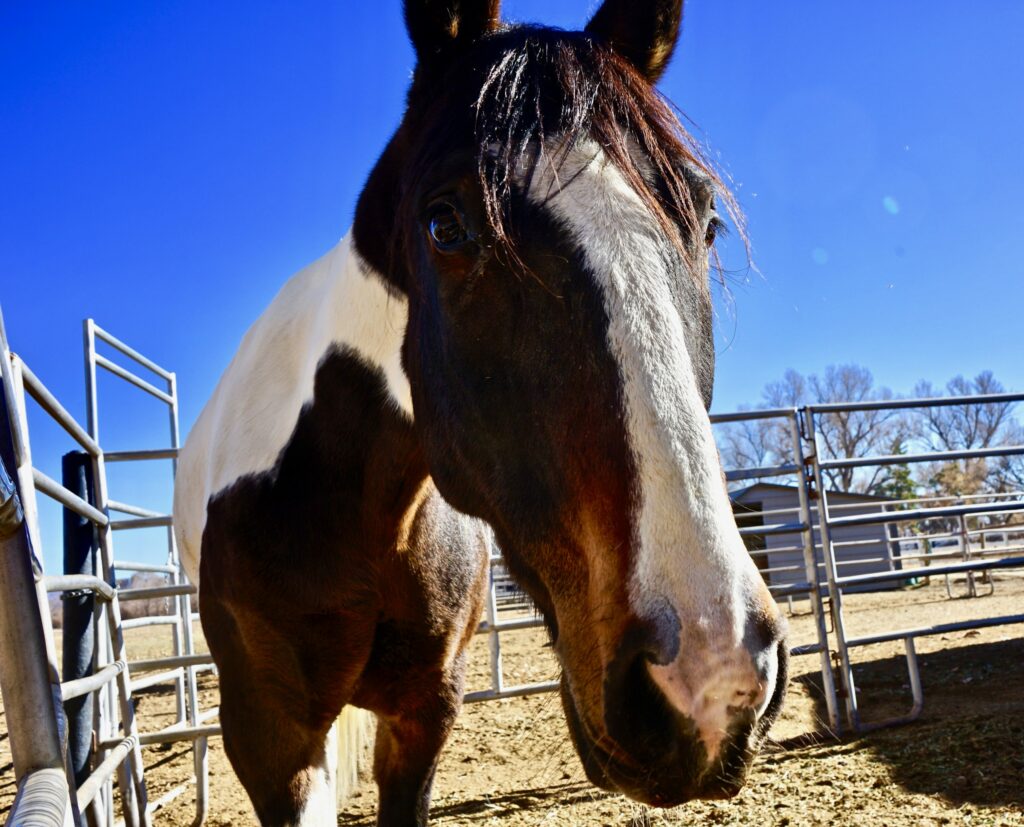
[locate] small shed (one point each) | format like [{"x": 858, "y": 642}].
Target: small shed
[{"x": 859, "y": 549}]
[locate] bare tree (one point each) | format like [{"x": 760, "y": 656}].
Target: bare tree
[
  {"x": 1007, "y": 473},
  {"x": 967, "y": 427},
  {"x": 758, "y": 443},
  {"x": 748, "y": 443},
  {"x": 856, "y": 433},
  {"x": 962, "y": 427},
  {"x": 843, "y": 434}
]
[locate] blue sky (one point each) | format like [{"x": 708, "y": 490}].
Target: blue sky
[{"x": 165, "y": 167}]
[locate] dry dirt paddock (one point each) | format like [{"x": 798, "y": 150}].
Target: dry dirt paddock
[{"x": 509, "y": 762}]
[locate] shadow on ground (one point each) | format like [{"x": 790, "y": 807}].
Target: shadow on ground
[
  {"x": 967, "y": 746},
  {"x": 498, "y": 805}
]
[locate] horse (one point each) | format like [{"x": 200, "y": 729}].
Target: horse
[{"x": 515, "y": 337}]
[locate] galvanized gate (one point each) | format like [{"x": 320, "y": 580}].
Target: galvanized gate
[
  {"x": 37, "y": 703},
  {"x": 105, "y": 736},
  {"x": 905, "y": 513}
]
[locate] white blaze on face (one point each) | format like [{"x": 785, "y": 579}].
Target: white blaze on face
[{"x": 689, "y": 552}]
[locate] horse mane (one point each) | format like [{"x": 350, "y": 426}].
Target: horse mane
[
  {"x": 571, "y": 87},
  {"x": 526, "y": 85}
]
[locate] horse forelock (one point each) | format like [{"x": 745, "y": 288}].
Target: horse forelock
[{"x": 523, "y": 86}]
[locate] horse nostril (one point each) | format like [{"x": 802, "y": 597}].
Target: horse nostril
[
  {"x": 635, "y": 710},
  {"x": 764, "y": 630},
  {"x": 773, "y": 703}
]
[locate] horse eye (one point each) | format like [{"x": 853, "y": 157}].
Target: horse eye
[
  {"x": 712, "y": 231},
  {"x": 447, "y": 231}
]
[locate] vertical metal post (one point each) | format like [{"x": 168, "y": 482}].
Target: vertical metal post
[
  {"x": 181, "y": 632},
  {"x": 972, "y": 590},
  {"x": 913, "y": 670},
  {"x": 834, "y": 591},
  {"x": 29, "y": 680},
  {"x": 78, "y": 639},
  {"x": 200, "y": 758},
  {"x": 105, "y": 706},
  {"x": 91, "y": 411},
  {"x": 813, "y": 575},
  {"x": 130, "y": 775},
  {"x": 133, "y": 794}
]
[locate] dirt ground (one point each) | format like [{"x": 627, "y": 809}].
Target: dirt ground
[{"x": 510, "y": 763}]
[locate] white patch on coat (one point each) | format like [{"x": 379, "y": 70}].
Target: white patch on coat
[
  {"x": 320, "y": 809},
  {"x": 335, "y": 301},
  {"x": 690, "y": 552}
]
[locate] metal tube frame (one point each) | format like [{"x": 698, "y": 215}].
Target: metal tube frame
[
  {"x": 847, "y": 689},
  {"x": 970, "y": 563},
  {"x": 34, "y": 715},
  {"x": 183, "y": 666},
  {"x": 805, "y": 489}
]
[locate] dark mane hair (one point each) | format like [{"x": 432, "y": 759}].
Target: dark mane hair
[
  {"x": 538, "y": 83},
  {"x": 569, "y": 86}
]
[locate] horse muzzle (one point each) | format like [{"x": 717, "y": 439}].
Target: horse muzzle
[{"x": 648, "y": 750}]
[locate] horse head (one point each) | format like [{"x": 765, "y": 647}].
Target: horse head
[{"x": 550, "y": 224}]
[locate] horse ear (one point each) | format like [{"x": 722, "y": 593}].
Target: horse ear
[
  {"x": 644, "y": 32},
  {"x": 435, "y": 26}
]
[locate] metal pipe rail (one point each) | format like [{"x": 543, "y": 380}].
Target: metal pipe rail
[
  {"x": 43, "y": 801},
  {"x": 509, "y": 625},
  {"x": 134, "y": 510},
  {"x": 131, "y": 378},
  {"x": 915, "y": 515},
  {"x": 137, "y": 456},
  {"x": 58, "y": 413},
  {"x": 130, "y": 352},
  {"x": 181, "y": 660},
  {"x": 156, "y": 592},
  {"x": 927, "y": 456},
  {"x": 55, "y": 491},
  {"x": 738, "y": 475},
  {"x": 87, "y": 791},
  {"x": 162, "y": 521},
  {"x": 922, "y": 402},
  {"x": 155, "y": 568},
  {"x": 749, "y": 416},
  {"x": 155, "y": 620},
  {"x": 156, "y": 678},
  {"x": 994, "y": 495},
  {"x": 90, "y": 683},
  {"x": 79, "y": 583},
  {"x": 938, "y": 629},
  {"x": 174, "y": 735},
  {"x": 777, "y": 528},
  {"x": 511, "y": 692},
  {"x": 931, "y": 571}
]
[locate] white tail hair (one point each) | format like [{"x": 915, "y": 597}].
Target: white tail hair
[{"x": 353, "y": 733}]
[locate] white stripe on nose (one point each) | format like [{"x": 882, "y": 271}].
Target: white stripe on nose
[{"x": 690, "y": 554}]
